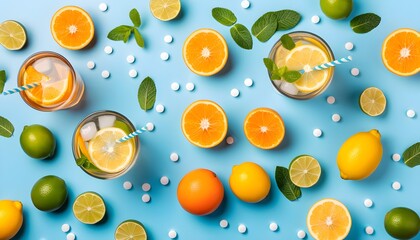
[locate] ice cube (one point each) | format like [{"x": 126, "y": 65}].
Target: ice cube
[
  {"x": 43, "y": 65},
  {"x": 61, "y": 70},
  {"x": 106, "y": 121},
  {"x": 277, "y": 83},
  {"x": 289, "y": 88},
  {"x": 88, "y": 131}
]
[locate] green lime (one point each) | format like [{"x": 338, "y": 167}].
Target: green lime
[
  {"x": 49, "y": 193},
  {"x": 37, "y": 141},
  {"x": 89, "y": 208},
  {"x": 12, "y": 35},
  {"x": 336, "y": 9},
  {"x": 122, "y": 125},
  {"x": 304, "y": 171},
  {"x": 372, "y": 101},
  {"x": 130, "y": 230},
  {"x": 402, "y": 223}
]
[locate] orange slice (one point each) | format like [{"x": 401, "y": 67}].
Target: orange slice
[
  {"x": 264, "y": 128},
  {"x": 205, "y": 52},
  {"x": 72, "y": 28},
  {"x": 401, "y": 52},
  {"x": 328, "y": 219},
  {"x": 204, "y": 123}
]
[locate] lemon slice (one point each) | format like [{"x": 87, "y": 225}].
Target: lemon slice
[
  {"x": 304, "y": 171},
  {"x": 12, "y": 35},
  {"x": 89, "y": 208},
  {"x": 108, "y": 155},
  {"x": 130, "y": 230},
  {"x": 308, "y": 56},
  {"x": 372, "y": 101},
  {"x": 165, "y": 10}
]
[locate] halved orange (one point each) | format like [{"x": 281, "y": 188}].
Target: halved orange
[
  {"x": 328, "y": 219},
  {"x": 205, "y": 52},
  {"x": 204, "y": 123},
  {"x": 264, "y": 128},
  {"x": 72, "y": 27},
  {"x": 401, "y": 52}
]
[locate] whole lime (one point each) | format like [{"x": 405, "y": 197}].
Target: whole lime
[
  {"x": 402, "y": 223},
  {"x": 37, "y": 141},
  {"x": 336, "y": 9},
  {"x": 49, "y": 193}
]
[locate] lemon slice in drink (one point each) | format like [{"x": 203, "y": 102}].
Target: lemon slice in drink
[
  {"x": 372, "y": 101},
  {"x": 89, "y": 208},
  {"x": 108, "y": 155},
  {"x": 12, "y": 35},
  {"x": 165, "y": 10},
  {"x": 304, "y": 171},
  {"x": 308, "y": 56},
  {"x": 130, "y": 230}
]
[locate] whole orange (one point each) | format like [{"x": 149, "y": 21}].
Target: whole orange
[{"x": 200, "y": 192}]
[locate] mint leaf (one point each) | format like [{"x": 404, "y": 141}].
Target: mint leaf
[
  {"x": 139, "y": 38},
  {"x": 224, "y": 16},
  {"x": 286, "y": 186},
  {"x": 81, "y": 160},
  {"x": 147, "y": 94},
  {"x": 135, "y": 17},
  {"x": 2, "y": 80},
  {"x": 265, "y": 27},
  {"x": 273, "y": 70},
  {"x": 120, "y": 33},
  {"x": 282, "y": 70},
  {"x": 241, "y": 36},
  {"x": 6, "y": 128},
  {"x": 287, "y": 42},
  {"x": 291, "y": 76},
  {"x": 365, "y": 23},
  {"x": 287, "y": 19},
  {"x": 269, "y": 64},
  {"x": 411, "y": 156}
]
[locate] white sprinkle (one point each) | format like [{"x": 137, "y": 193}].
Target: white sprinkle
[
  {"x": 348, "y": 46},
  {"x": 150, "y": 126},
  {"x": 164, "y": 180},
  {"x": 301, "y": 234},
  {"x": 146, "y": 187},
  {"x": 131, "y": 59},
  {"x": 108, "y": 50},
  {"x": 273, "y": 226},
  {"x": 132, "y": 73},
  {"x": 368, "y": 203},
  {"x": 105, "y": 74},
  {"x": 230, "y": 140},
  {"x": 103, "y": 7},
  {"x": 65, "y": 228},
  {"x": 330, "y": 99},
  {"x": 164, "y": 56},
  {"x": 160, "y": 108},
  {"x": 396, "y": 186},
  {"x": 411, "y": 113},
  {"x": 145, "y": 198},
  {"x": 174, "y": 157},
  {"x": 127, "y": 185},
  {"x": 224, "y": 223},
  {"x": 317, "y": 132},
  {"x": 241, "y": 228},
  {"x": 190, "y": 86},
  {"x": 175, "y": 86},
  {"x": 248, "y": 82},
  {"x": 71, "y": 236},
  {"x": 245, "y": 4},
  {"x": 396, "y": 157},
  {"x": 315, "y": 19},
  {"x": 168, "y": 38},
  {"x": 234, "y": 92},
  {"x": 369, "y": 230},
  {"x": 355, "y": 72},
  {"x": 172, "y": 234},
  {"x": 336, "y": 117},
  {"x": 91, "y": 64}
]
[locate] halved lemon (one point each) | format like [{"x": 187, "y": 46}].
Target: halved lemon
[
  {"x": 304, "y": 171},
  {"x": 165, "y": 10},
  {"x": 12, "y": 35},
  {"x": 130, "y": 230},
  {"x": 89, "y": 208},
  {"x": 372, "y": 101}
]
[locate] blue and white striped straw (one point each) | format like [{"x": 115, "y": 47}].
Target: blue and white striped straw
[
  {"x": 21, "y": 88},
  {"x": 132, "y": 135},
  {"x": 329, "y": 64}
]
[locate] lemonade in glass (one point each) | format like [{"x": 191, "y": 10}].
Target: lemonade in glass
[
  {"x": 95, "y": 146},
  {"x": 310, "y": 50}
]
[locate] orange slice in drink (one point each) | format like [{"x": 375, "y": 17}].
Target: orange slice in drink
[
  {"x": 401, "y": 52},
  {"x": 328, "y": 219},
  {"x": 72, "y": 28},
  {"x": 205, "y": 52},
  {"x": 264, "y": 128},
  {"x": 204, "y": 124}
]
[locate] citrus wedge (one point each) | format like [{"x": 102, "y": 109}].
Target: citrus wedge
[
  {"x": 12, "y": 35},
  {"x": 304, "y": 171},
  {"x": 89, "y": 208},
  {"x": 165, "y": 10},
  {"x": 372, "y": 101},
  {"x": 130, "y": 230}
]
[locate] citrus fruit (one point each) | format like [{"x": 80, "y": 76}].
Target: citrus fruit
[
  {"x": 49, "y": 193},
  {"x": 264, "y": 128},
  {"x": 204, "y": 123},
  {"x": 372, "y": 101},
  {"x": 130, "y": 230},
  {"x": 89, "y": 208},
  {"x": 205, "y": 52},
  {"x": 328, "y": 219},
  {"x": 304, "y": 171},
  {"x": 108, "y": 155},
  {"x": 307, "y": 57},
  {"x": 401, "y": 52},
  {"x": 72, "y": 28},
  {"x": 360, "y": 155},
  {"x": 12, "y": 35},
  {"x": 165, "y": 10},
  {"x": 249, "y": 182},
  {"x": 37, "y": 141},
  {"x": 200, "y": 192},
  {"x": 402, "y": 223},
  {"x": 11, "y": 218},
  {"x": 336, "y": 9}
]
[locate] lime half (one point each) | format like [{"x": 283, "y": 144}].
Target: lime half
[
  {"x": 372, "y": 101},
  {"x": 12, "y": 35},
  {"x": 89, "y": 208},
  {"x": 130, "y": 230},
  {"x": 165, "y": 10},
  {"x": 304, "y": 171}
]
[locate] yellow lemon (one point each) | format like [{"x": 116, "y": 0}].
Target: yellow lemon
[
  {"x": 11, "y": 218},
  {"x": 360, "y": 155}
]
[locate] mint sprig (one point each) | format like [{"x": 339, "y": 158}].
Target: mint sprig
[
  {"x": 365, "y": 23},
  {"x": 123, "y": 32},
  {"x": 84, "y": 162},
  {"x": 277, "y": 73},
  {"x": 266, "y": 25},
  {"x": 2, "y": 80},
  {"x": 285, "y": 184},
  {"x": 224, "y": 16},
  {"x": 147, "y": 94}
]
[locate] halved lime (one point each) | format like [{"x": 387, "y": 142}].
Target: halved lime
[
  {"x": 130, "y": 230},
  {"x": 12, "y": 35},
  {"x": 165, "y": 10},
  {"x": 372, "y": 101},
  {"x": 89, "y": 208},
  {"x": 304, "y": 171}
]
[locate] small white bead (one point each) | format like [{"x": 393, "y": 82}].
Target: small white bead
[
  {"x": 396, "y": 186},
  {"x": 336, "y": 117},
  {"x": 91, "y": 64},
  {"x": 368, "y": 203},
  {"x": 132, "y": 73},
  {"x": 369, "y": 230},
  {"x": 355, "y": 72},
  {"x": 411, "y": 113},
  {"x": 396, "y": 157},
  {"x": 348, "y": 46},
  {"x": 150, "y": 126},
  {"x": 174, "y": 157},
  {"x": 65, "y": 228},
  {"x": 108, "y": 50},
  {"x": 330, "y": 99},
  {"x": 245, "y": 4},
  {"x": 145, "y": 198},
  {"x": 131, "y": 59},
  {"x": 168, "y": 38},
  {"x": 317, "y": 132},
  {"x": 224, "y": 223},
  {"x": 301, "y": 234},
  {"x": 164, "y": 56},
  {"x": 105, "y": 74},
  {"x": 234, "y": 92},
  {"x": 103, "y": 7},
  {"x": 230, "y": 140},
  {"x": 172, "y": 234},
  {"x": 315, "y": 19},
  {"x": 146, "y": 187},
  {"x": 273, "y": 226},
  {"x": 160, "y": 108},
  {"x": 175, "y": 86},
  {"x": 241, "y": 228},
  {"x": 190, "y": 86},
  {"x": 71, "y": 236},
  {"x": 248, "y": 82},
  {"x": 164, "y": 180},
  {"x": 127, "y": 185}
]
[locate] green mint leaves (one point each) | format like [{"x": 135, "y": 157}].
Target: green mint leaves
[
  {"x": 241, "y": 36},
  {"x": 411, "y": 156},
  {"x": 2, "y": 80},
  {"x": 365, "y": 23},
  {"x": 287, "y": 42},
  {"x": 265, "y": 26},
  {"x": 285, "y": 185},
  {"x": 147, "y": 94},
  {"x": 287, "y": 19},
  {"x": 277, "y": 73},
  {"x": 84, "y": 162},
  {"x": 123, "y": 32},
  {"x": 224, "y": 16},
  {"x": 6, "y": 128}
]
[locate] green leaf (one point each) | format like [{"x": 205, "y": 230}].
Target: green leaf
[
  {"x": 287, "y": 42},
  {"x": 281, "y": 71},
  {"x": 241, "y": 36},
  {"x": 6, "y": 127},
  {"x": 139, "y": 38},
  {"x": 286, "y": 186},
  {"x": 269, "y": 64},
  {"x": 2, "y": 80},
  {"x": 291, "y": 76},
  {"x": 272, "y": 69},
  {"x": 287, "y": 19},
  {"x": 135, "y": 17},
  {"x": 365, "y": 23},
  {"x": 411, "y": 156},
  {"x": 147, "y": 94},
  {"x": 81, "y": 160},
  {"x": 120, "y": 33},
  {"x": 265, "y": 27},
  {"x": 224, "y": 16}
]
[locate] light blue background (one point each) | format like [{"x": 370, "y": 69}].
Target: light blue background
[{"x": 18, "y": 172}]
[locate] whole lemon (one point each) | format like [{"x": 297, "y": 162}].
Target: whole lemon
[
  {"x": 249, "y": 182},
  {"x": 360, "y": 155},
  {"x": 11, "y": 218}
]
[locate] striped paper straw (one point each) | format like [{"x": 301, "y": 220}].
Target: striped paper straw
[
  {"x": 133, "y": 134},
  {"x": 329, "y": 64},
  {"x": 21, "y": 88}
]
